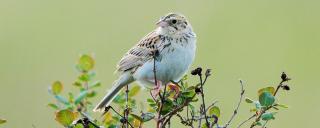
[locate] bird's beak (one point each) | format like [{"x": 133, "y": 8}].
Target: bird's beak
[{"x": 162, "y": 23}]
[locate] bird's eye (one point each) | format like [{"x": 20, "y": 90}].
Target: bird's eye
[{"x": 174, "y": 21}]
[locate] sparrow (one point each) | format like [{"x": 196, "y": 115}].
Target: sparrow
[{"x": 169, "y": 49}]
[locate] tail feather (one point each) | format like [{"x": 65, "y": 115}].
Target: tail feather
[{"x": 124, "y": 80}]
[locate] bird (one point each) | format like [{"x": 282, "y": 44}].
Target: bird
[{"x": 169, "y": 50}]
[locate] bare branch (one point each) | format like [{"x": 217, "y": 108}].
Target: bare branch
[
  {"x": 238, "y": 105},
  {"x": 251, "y": 117}
]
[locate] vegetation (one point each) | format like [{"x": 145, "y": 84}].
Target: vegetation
[{"x": 174, "y": 100}]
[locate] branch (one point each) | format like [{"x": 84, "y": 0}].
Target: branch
[
  {"x": 126, "y": 111},
  {"x": 238, "y": 105},
  {"x": 284, "y": 79},
  {"x": 122, "y": 121},
  {"x": 203, "y": 100},
  {"x": 251, "y": 117},
  {"x": 174, "y": 111}
]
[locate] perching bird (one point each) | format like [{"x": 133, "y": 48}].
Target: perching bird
[{"x": 174, "y": 43}]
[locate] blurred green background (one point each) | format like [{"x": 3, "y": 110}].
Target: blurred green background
[{"x": 255, "y": 40}]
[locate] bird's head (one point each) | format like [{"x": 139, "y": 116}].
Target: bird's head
[{"x": 174, "y": 24}]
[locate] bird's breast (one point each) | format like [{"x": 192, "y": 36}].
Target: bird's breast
[{"x": 173, "y": 62}]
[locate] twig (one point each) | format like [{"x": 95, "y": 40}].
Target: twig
[
  {"x": 265, "y": 124},
  {"x": 211, "y": 105},
  {"x": 251, "y": 117},
  {"x": 120, "y": 116},
  {"x": 203, "y": 100},
  {"x": 238, "y": 105},
  {"x": 86, "y": 120},
  {"x": 266, "y": 109},
  {"x": 156, "y": 84},
  {"x": 174, "y": 111},
  {"x": 126, "y": 111},
  {"x": 167, "y": 121}
]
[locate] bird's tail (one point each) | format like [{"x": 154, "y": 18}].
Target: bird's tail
[{"x": 124, "y": 80}]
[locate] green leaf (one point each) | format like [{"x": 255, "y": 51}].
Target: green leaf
[
  {"x": 150, "y": 100},
  {"x": 192, "y": 108},
  {"x": 54, "y": 106},
  {"x": 2, "y": 121},
  {"x": 214, "y": 110},
  {"x": 266, "y": 99},
  {"x": 136, "y": 117},
  {"x": 167, "y": 107},
  {"x": 91, "y": 94},
  {"x": 78, "y": 126},
  {"x": 77, "y": 83},
  {"x": 95, "y": 84},
  {"x": 86, "y": 63},
  {"x": 80, "y": 97},
  {"x": 188, "y": 94},
  {"x": 134, "y": 90},
  {"x": 204, "y": 125},
  {"x": 248, "y": 100},
  {"x": 282, "y": 105},
  {"x": 56, "y": 87},
  {"x": 66, "y": 117},
  {"x": 258, "y": 123},
  {"x": 147, "y": 116},
  {"x": 71, "y": 97},
  {"x": 84, "y": 77},
  {"x": 62, "y": 99},
  {"x": 267, "y": 89},
  {"x": 268, "y": 116}
]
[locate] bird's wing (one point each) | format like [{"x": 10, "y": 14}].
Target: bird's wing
[{"x": 142, "y": 52}]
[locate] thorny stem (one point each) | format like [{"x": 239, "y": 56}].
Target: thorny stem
[{"x": 238, "y": 105}]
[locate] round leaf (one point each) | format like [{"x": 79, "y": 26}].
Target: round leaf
[
  {"x": 65, "y": 117},
  {"x": 268, "y": 116},
  {"x": 214, "y": 111},
  {"x": 86, "y": 63},
  {"x": 56, "y": 87},
  {"x": 267, "y": 89},
  {"x": 266, "y": 99}
]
